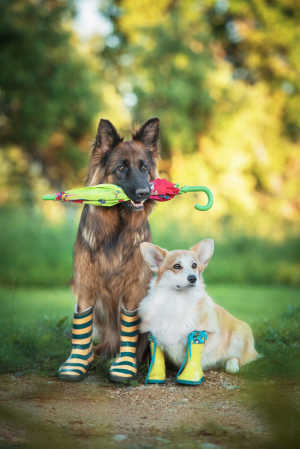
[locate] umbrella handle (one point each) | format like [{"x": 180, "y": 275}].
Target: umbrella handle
[{"x": 210, "y": 198}]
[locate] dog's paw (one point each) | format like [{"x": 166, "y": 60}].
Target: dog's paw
[{"x": 232, "y": 366}]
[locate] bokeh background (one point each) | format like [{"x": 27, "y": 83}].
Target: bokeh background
[{"x": 223, "y": 76}]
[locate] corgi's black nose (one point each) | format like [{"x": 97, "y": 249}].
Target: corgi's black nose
[
  {"x": 142, "y": 194},
  {"x": 192, "y": 278}
]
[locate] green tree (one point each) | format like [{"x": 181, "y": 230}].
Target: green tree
[
  {"x": 223, "y": 76},
  {"x": 163, "y": 68},
  {"x": 47, "y": 94},
  {"x": 261, "y": 39}
]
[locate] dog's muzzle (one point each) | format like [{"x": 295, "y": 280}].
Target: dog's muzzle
[{"x": 141, "y": 195}]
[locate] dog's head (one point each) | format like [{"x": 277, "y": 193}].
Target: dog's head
[
  {"x": 130, "y": 165},
  {"x": 179, "y": 269}
]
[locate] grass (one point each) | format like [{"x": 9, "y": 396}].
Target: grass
[
  {"x": 35, "y": 324},
  {"x": 255, "y": 304},
  {"x": 35, "y": 328}
]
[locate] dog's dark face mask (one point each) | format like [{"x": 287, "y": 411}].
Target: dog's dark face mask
[{"x": 131, "y": 165}]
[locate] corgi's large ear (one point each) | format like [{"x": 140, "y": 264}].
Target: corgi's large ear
[
  {"x": 148, "y": 134},
  {"x": 204, "y": 251},
  {"x": 153, "y": 255}
]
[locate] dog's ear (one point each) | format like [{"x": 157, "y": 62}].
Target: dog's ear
[
  {"x": 148, "y": 134},
  {"x": 204, "y": 251},
  {"x": 107, "y": 137},
  {"x": 153, "y": 255}
]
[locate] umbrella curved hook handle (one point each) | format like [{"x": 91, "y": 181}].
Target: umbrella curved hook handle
[{"x": 210, "y": 198}]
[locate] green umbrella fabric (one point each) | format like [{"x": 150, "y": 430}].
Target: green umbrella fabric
[{"x": 99, "y": 195}]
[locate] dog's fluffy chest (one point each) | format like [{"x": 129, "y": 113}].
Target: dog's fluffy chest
[{"x": 171, "y": 316}]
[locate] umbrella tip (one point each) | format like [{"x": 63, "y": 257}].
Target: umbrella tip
[{"x": 50, "y": 196}]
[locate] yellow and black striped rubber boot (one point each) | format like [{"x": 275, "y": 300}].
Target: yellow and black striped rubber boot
[
  {"x": 124, "y": 367},
  {"x": 76, "y": 366}
]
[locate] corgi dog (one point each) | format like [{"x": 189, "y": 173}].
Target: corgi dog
[{"x": 177, "y": 304}]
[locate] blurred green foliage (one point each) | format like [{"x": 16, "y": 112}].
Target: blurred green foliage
[
  {"x": 238, "y": 257},
  {"x": 224, "y": 79},
  {"x": 163, "y": 70},
  {"x": 179, "y": 40},
  {"x": 35, "y": 252},
  {"x": 48, "y": 93},
  {"x": 260, "y": 38}
]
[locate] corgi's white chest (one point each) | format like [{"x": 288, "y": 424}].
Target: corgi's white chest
[{"x": 171, "y": 317}]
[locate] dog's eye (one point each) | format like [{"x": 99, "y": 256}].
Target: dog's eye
[
  {"x": 194, "y": 265},
  {"x": 177, "y": 266},
  {"x": 144, "y": 167},
  {"x": 121, "y": 168}
]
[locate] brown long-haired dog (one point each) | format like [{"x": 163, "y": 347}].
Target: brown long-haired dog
[{"x": 109, "y": 269}]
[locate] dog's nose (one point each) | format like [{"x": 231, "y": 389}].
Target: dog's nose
[
  {"x": 142, "y": 194},
  {"x": 192, "y": 278}
]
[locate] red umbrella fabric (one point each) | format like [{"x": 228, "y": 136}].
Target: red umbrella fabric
[{"x": 163, "y": 190}]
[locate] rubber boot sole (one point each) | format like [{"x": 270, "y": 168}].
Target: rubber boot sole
[
  {"x": 155, "y": 382},
  {"x": 190, "y": 382},
  {"x": 67, "y": 378},
  {"x": 119, "y": 379}
]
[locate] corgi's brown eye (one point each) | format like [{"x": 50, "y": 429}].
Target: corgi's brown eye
[
  {"x": 194, "y": 265},
  {"x": 177, "y": 266}
]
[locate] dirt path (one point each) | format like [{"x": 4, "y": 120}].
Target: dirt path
[{"x": 51, "y": 413}]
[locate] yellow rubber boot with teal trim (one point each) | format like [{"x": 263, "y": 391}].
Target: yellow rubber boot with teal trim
[
  {"x": 157, "y": 369},
  {"x": 76, "y": 366},
  {"x": 124, "y": 367},
  {"x": 190, "y": 372}
]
